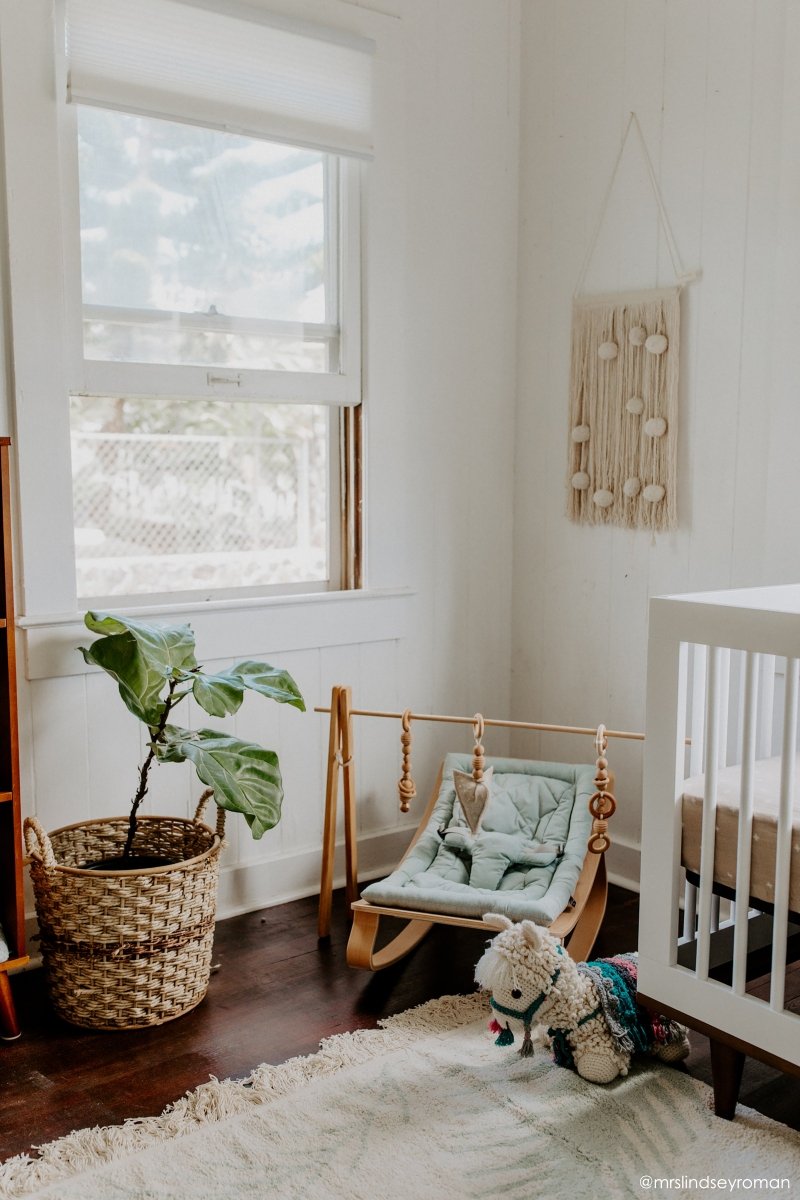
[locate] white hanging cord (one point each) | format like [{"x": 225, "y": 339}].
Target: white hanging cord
[{"x": 682, "y": 276}]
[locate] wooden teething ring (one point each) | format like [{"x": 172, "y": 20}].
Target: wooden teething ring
[
  {"x": 602, "y": 805},
  {"x": 478, "y": 761},
  {"x": 406, "y": 788}
]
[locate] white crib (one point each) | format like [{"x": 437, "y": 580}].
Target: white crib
[{"x": 720, "y": 883}]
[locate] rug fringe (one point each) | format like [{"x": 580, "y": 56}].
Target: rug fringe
[{"x": 218, "y": 1099}]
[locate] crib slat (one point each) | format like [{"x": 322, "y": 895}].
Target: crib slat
[
  {"x": 744, "y": 846},
  {"x": 736, "y": 714},
  {"x": 766, "y": 704},
  {"x": 708, "y": 835},
  {"x": 697, "y": 729},
  {"x": 724, "y": 705},
  {"x": 689, "y": 912},
  {"x": 783, "y": 850},
  {"x": 715, "y": 914}
]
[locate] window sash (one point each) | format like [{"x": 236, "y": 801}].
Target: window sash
[
  {"x": 98, "y": 377},
  {"x": 339, "y": 550}
]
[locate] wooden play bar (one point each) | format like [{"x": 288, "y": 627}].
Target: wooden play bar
[{"x": 576, "y": 925}]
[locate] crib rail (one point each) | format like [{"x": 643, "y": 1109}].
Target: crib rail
[{"x": 723, "y": 668}]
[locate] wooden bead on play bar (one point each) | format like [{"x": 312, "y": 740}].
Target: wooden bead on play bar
[
  {"x": 602, "y": 805},
  {"x": 406, "y": 788},
  {"x": 478, "y": 760}
]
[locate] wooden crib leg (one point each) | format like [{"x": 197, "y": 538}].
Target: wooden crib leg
[{"x": 727, "y": 1065}]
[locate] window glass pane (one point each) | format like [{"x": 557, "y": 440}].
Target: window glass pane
[
  {"x": 173, "y": 496},
  {"x": 204, "y": 247}
]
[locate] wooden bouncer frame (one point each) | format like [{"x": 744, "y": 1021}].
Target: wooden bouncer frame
[{"x": 577, "y": 926}]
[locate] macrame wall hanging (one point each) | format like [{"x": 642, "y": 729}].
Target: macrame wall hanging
[{"x": 623, "y": 418}]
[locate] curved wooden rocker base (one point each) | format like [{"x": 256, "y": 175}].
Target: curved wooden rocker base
[
  {"x": 577, "y": 926},
  {"x": 364, "y": 934}
]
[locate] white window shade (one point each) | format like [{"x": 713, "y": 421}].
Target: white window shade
[{"x": 231, "y": 67}]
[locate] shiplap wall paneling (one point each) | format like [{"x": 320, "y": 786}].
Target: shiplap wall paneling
[
  {"x": 60, "y": 737},
  {"x": 716, "y": 92},
  {"x": 629, "y": 240},
  {"x": 378, "y": 740},
  {"x": 115, "y": 749},
  {"x": 714, "y": 390},
  {"x": 776, "y": 396},
  {"x": 761, "y": 300}
]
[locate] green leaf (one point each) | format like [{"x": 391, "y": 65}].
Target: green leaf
[
  {"x": 245, "y": 778},
  {"x": 223, "y": 692},
  {"x": 139, "y": 686},
  {"x": 217, "y": 694},
  {"x": 140, "y": 657},
  {"x": 268, "y": 681},
  {"x": 165, "y": 647}
]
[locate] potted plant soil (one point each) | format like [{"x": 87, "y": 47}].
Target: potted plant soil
[{"x": 126, "y": 905}]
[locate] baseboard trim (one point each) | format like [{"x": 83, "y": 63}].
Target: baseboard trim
[{"x": 280, "y": 880}]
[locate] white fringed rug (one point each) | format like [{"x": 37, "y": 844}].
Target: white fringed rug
[{"x": 425, "y": 1108}]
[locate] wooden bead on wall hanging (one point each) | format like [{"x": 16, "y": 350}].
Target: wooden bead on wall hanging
[{"x": 623, "y": 411}]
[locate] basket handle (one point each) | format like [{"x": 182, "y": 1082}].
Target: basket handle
[
  {"x": 201, "y": 809},
  {"x": 38, "y": 844}
]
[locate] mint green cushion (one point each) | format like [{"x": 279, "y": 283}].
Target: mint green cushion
[
  {"x": 491, "y": 854},
  {"x": 545, "y": 802}
]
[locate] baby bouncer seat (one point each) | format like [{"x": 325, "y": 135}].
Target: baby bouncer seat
[{"x": 516, "y": 836}]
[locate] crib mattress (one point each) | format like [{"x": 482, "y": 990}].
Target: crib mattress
[
  {"x": 547, "y": 801},
  {"x": 766, "y": 795}
]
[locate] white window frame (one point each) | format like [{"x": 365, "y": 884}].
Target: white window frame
[{"x": 46, "y": 316}]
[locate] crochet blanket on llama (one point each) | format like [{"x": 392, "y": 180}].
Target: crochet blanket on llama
[{"x": 633, "y": 1028}]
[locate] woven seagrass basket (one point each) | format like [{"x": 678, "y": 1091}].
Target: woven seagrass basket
[{"x": 126, "y": 949}]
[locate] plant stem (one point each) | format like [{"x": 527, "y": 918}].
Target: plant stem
[{"x": 141, "y": 791}]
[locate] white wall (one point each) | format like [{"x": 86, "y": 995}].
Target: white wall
[
  {"x": 716, "y": 88},
  {"x": 440, "y": 370}
]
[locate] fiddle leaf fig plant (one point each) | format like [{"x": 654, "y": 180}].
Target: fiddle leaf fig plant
[{"x": 155, "y": 668}]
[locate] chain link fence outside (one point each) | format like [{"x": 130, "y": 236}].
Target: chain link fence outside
[{"x": 164, "y": 512}]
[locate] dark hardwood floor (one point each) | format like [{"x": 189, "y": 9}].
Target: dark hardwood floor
[{"x": 276, "y": 993}]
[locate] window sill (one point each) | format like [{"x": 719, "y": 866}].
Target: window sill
[{"x": 233, "y": 628}]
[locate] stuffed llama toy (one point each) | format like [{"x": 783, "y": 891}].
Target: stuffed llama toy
[{"x": 587, "y": 1012}]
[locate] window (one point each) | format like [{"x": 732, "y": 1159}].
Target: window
[
  {"x": 209, "y": 205},
  {"x": 218, "y": 255}
]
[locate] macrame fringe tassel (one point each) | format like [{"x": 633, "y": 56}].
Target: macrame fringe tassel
[
  {"x": 506, "y": 1037},
  {"x": 526, "y": 1049},
  {"x": 612, "y": 399}
]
